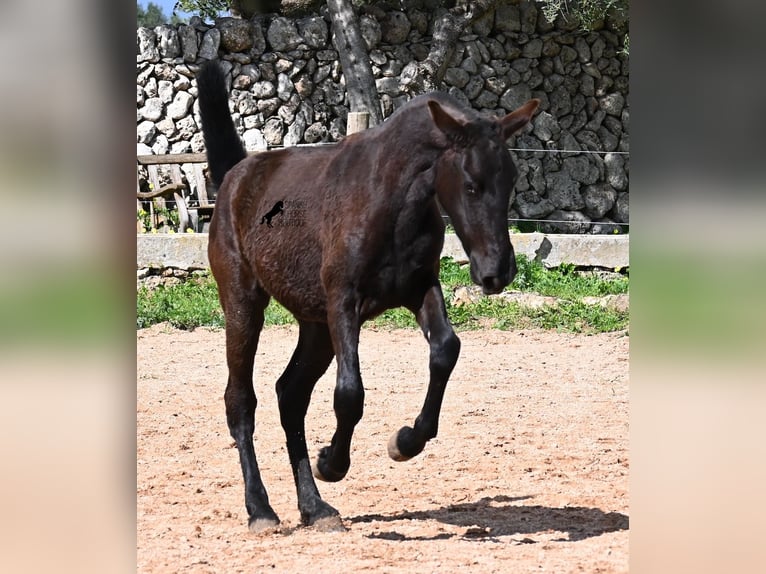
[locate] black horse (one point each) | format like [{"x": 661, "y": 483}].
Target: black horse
[
  {"x": 370, "y": 241},
  {"x": 278, "y": 208}
]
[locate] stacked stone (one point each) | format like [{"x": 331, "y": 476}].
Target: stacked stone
[{"x": 287, "y": 88}]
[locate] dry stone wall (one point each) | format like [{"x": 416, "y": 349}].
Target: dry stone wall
[{"x": 287, "y": 88}]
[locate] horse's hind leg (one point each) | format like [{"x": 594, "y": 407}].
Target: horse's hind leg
[
  {"x": 444, "y": 350},
  {"x": 243, "y": 310},
  {"x": 309, "y": 362}
]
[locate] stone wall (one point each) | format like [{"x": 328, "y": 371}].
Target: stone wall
[{"x": 287, "y": 88}]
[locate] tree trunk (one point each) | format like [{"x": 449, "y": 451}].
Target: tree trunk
[
  {"x": 426, "y": 76},
  {"x": 355, "y": 61}
]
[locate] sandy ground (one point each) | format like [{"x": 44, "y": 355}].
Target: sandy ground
[{"x": 529, "y": 472}]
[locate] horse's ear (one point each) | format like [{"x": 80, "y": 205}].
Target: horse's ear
[
  {"x": 519, "y": 118},
  {"x": 443, "y": 120}
]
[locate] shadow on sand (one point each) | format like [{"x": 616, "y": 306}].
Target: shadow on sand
[{"x": 493, "y": 517}]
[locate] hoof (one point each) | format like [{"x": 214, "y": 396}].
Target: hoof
[
  {"x": 259, "y": 525},
  {"x": 325, "y": 474},
  {"x": 329, "y": 524},
  {"x": 393, "y": 449},
  {"x": 405, "y": 444}
]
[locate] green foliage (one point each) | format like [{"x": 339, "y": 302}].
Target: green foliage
[
  {"x": 186, "y": 305},
  {"x": 586, "y": 13},
  {"x": 165, "y": 219},
  {"x": 207, "y": 9},
  {"x": 564, "y": 281},
  {"x": 150, "y": 17},
  {"x": 451, "y": 274},
  {"x": 153, "y": 16},
  {"x": 195, "y": 303}
]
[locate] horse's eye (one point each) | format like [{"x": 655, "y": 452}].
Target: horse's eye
[{"x": 470, "y": 189}]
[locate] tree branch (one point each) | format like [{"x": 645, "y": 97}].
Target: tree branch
[{"x": 427, "y": 76}]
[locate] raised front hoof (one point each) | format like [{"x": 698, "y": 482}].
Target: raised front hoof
[
  {"x": 322, "y": 471},
  {"x": 261, "y": 524},
  {"x": 403, "y": 445}
]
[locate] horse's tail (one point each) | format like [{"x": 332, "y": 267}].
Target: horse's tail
[{"x": 224, "y": 148}]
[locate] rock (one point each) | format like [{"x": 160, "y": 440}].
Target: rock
[
  {"x": 285, "y": 87},
  {"x": 507, "y": 18},
  {"x": 314, "y": 133},
  {"x": 531, "y": 206},
  {"x": 581, "y": 169},
  {"x": 473, "y": 88},
  {"x": 169, "y": 44},
  {"x": 167, "y": 127},
  {"x": 515, "y": 97},
  {"x": 161, "y": 145},
  {"x": 599, "y": 199},
  {"x": 263, "y": 90},
  {"x": 188, "y": 39},
  {"x": 533, "y": 48},
  {"x": 180, "y": 106},
  {"x": 236, "y": 34},
  {"x": 388, "y": 86},
  {"x": 254, "y": 140},
  {"x": 186, "y": 127},
  {"x": 313, "y": 31},
  {"x": 563, "y": 191},
  {"x": 165, "y": 91},
  {"x": 145, "y": 132},
  {"x": 180, "y": 147},
  {"x": 273, "y": 131},
  {"x": 466, "y": 295},
  {"x": 208, "y": 49},
  {"x": 612, "y": 104},
  {"x": 395, "y": 27},
  {"x": 282, "y": 35},
  {"x": 152, "y": 109},
  {"x": 147, "y": 49},
  {"x": 615, "y": 171},
  {"x": 295, "y": 130},
  {"x": 560, "y": 221},
  {"x": 496, "y": 85},
  {"x": 620, "y": 212},
  {"x": 486, "y": 100},
  {"x": 545, "y": 126},
  {"x": 457, "y": 77}
]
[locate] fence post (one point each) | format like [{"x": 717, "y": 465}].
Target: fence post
[{"x": 357, "y": 122}]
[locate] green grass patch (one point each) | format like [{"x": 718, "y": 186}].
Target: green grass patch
[
  {"x": 194, "y": 303},
  {"x": 187, "y": 305}
]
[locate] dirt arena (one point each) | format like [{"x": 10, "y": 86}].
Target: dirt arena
[{"x": 529, "y": 472}]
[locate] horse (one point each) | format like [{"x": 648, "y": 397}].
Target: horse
[
  {"x": 279, "y": 206},
  {"x": 369, "y": 238}
]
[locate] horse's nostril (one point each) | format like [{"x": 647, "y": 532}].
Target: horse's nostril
[{"x": 492, "y": 284}]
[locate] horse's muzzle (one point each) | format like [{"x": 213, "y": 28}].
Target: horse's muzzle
[
  {"x": 495, "y": 281},
  {"x": 492, "y": 284}
]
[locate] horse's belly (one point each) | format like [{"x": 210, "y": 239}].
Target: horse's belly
[{"x": 287, "y": 265}]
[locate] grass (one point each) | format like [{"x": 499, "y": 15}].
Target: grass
[{"x": 195, "y": 303}]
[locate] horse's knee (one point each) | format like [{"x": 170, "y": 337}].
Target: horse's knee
[
  {"x": 349, "y": 401},
  {"x": 444, "y": 353}
]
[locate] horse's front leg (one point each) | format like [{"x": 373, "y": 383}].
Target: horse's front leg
[
  {"x": 348, "y": 400},
  {"x": 444, "y": 350}
]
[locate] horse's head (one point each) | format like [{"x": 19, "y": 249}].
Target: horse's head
[{"x": 474, "y": 181}]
